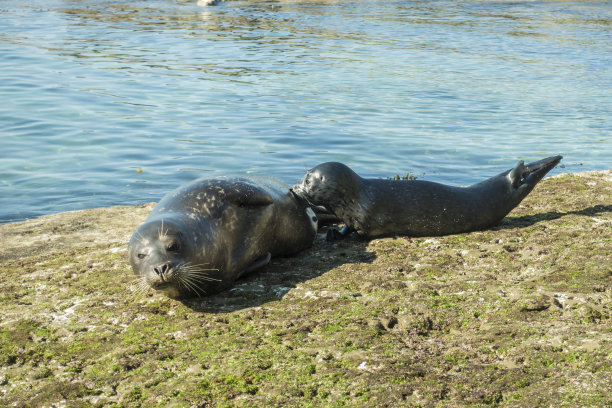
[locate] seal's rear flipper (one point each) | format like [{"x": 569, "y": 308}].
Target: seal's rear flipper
[
  {"x": 527, "y": 176},
  {"x": 516, "y": 174}
]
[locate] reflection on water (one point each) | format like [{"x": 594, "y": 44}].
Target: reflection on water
[{"x": 117, "y": 102}]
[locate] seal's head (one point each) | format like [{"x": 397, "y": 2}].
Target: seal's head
[
  {"x": 204, "y": 235},
  {"x": 326, "y": 183},
  {"x": 158, "y": 251}
]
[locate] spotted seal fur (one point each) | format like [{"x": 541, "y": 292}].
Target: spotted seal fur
[
  {"x": 206, "y": 234},
  {"x": 377, "y": 207}
]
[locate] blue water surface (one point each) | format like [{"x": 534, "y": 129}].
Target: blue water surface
[{"x": 106, "y": 102}]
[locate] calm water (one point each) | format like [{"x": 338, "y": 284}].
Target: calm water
[{"x": 116, "y": 102}]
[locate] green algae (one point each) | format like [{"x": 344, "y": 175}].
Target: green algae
[{"x": 518, "y": 315}]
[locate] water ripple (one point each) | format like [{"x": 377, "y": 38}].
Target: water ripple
[{"x": 120, "y": 101}]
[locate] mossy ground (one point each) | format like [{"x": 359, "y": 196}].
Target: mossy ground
[{"x": 518, "y": 315}]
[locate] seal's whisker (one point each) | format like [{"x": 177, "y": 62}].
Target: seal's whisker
[
  {"x": 188, "y": 265},
  {"x": 197, "y": 288},
  {"x": 190, "y": 285},
  {"x": 201, "y": 271},
  {"x": 202, "y": 275},
  {"x": 207, "y": 279},
  {"x": 185, "y": 283},
  {"x": 141, "y": 238},
  {"x": 191, "y": 276},
  {"x": 161, "y": 232},
  {"x": 144, "y": 285},
  {"x": 195, "y": 268},
  {"x": 139, "y": 285},
  {"x": 195, "y": 265},
  {"x": 197, "y": 273}
]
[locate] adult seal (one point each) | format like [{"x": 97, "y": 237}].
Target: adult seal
[
  {"x": 376, "y": 207},
  {"x": 206, "y": 234}
]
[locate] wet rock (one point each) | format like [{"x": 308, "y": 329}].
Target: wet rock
[
  {"x": 472, "y": 322},
  {"x": 536, "y": 303}
]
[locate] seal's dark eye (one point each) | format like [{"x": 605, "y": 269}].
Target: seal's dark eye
[
  {"x": 142, "y": 256},
  {"x": 174, "y": 246}
]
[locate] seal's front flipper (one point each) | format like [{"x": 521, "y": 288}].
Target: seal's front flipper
[
  {"x": 335, "y": 234},
  {"x": 259, "y": 263}
]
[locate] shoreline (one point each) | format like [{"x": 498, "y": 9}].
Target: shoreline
[
  {"x": 140, "y": 204},
  {"x": 516, "y": 315}
]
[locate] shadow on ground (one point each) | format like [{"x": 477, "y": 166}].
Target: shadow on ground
[
  {"x": 283, "y": 274},
  {"x": 529, "y": 220},
  {"x": 273, "y": 281}
]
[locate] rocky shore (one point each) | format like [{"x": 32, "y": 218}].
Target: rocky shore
[{"x": 516, "y": 316}]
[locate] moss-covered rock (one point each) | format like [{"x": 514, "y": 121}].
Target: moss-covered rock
[{"x": 518, "y": 315}]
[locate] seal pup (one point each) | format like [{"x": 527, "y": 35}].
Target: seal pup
[
  {"x": 206, "y": 234},
  {"x": 376, "y": 207}
]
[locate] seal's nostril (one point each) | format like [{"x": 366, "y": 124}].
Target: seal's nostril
[{"x": 161, "y": 269}]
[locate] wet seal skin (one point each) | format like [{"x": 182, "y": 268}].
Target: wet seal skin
[
  {"x": 377, "y": 207},
  {"x": 206, "y": 234}
]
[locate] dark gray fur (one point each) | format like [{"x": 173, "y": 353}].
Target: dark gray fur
[
  {"x": 377, "y": 207},
  {"x": 203, "y": 236}
]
